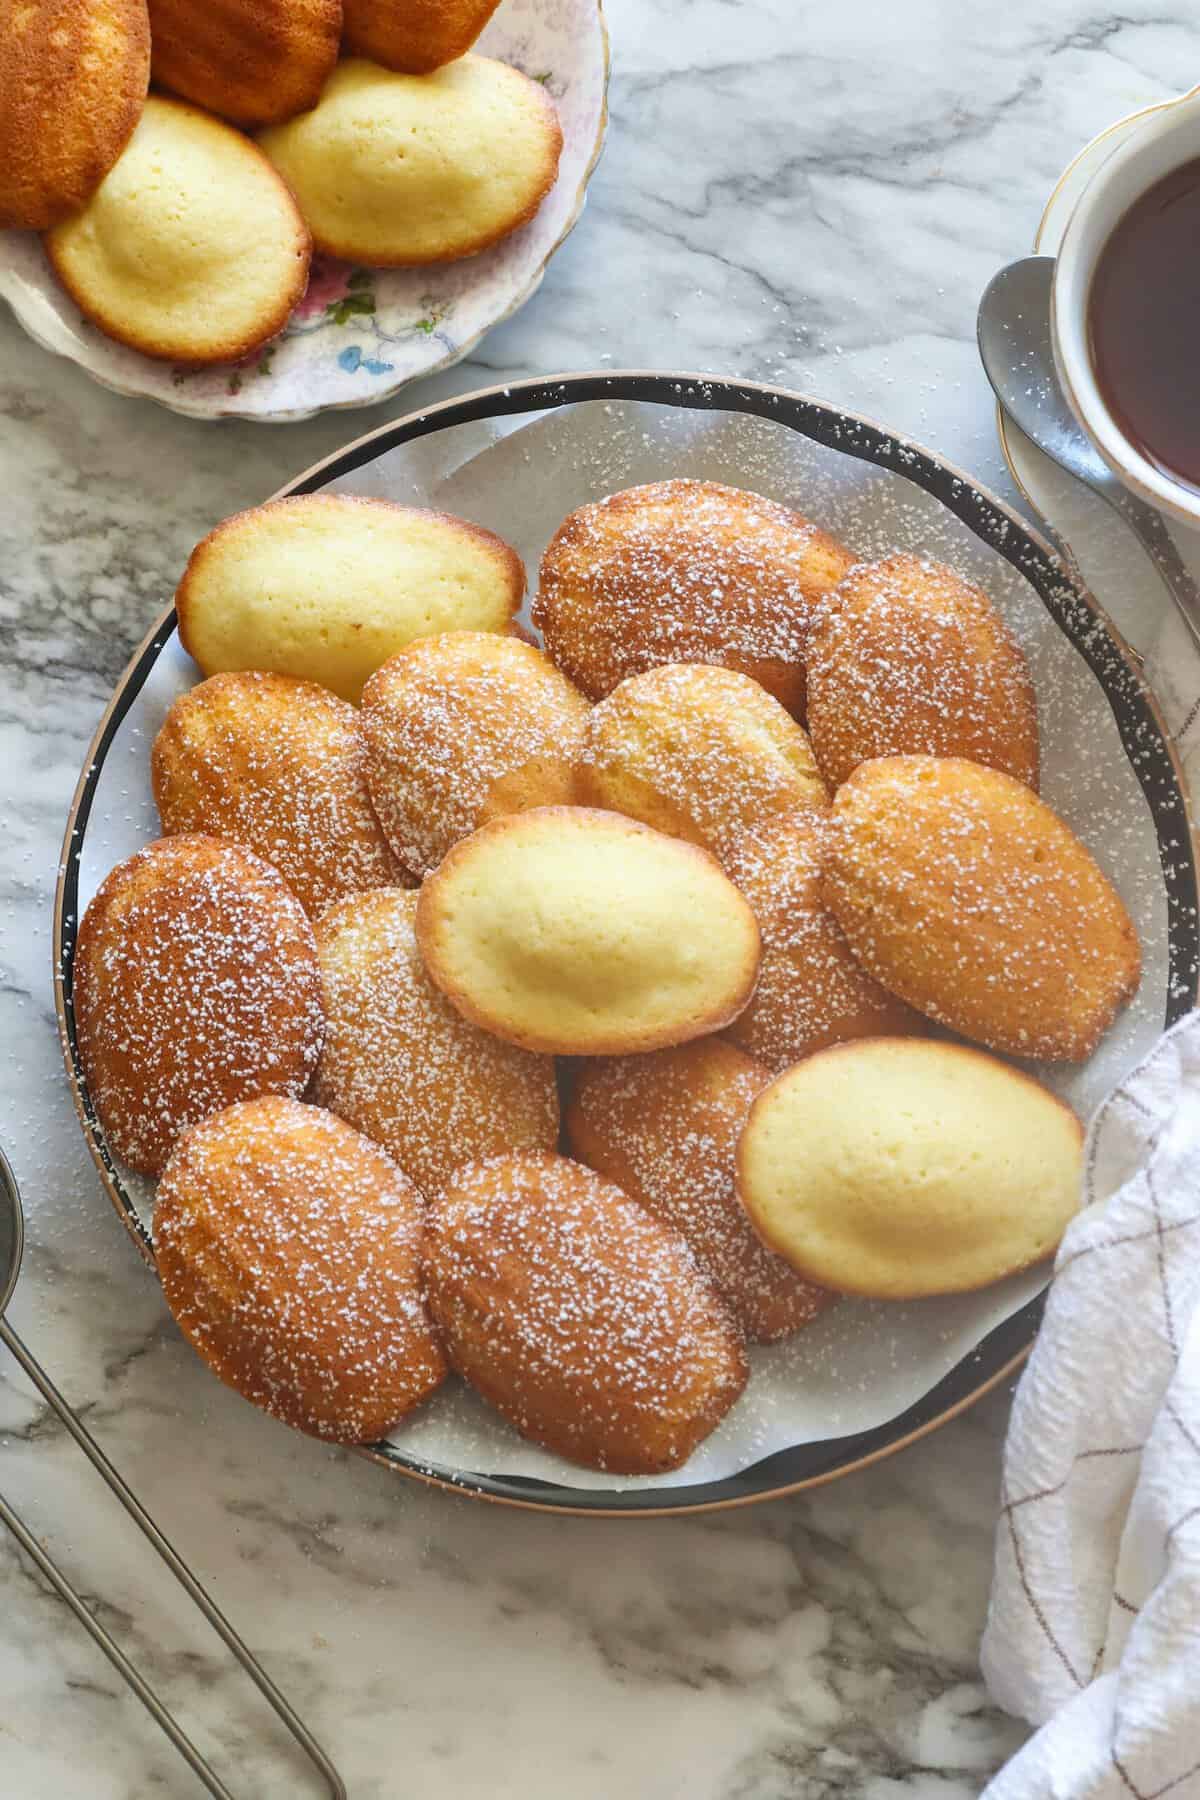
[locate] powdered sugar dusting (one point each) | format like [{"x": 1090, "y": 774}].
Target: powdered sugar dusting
[
  {"x": 289, "y": 1251},
  {"x": 583, "y": 1319},
  {"x": 684, "y": 571},
  {"x": 275, "y": 764},
  {"x": 462, "y": 727},
  {"x": 407, "y": 1069},
  {"x": 905, "y": 656},
  {"x": 196, "y": 985},
  {"x": 665, "y": 1128}
]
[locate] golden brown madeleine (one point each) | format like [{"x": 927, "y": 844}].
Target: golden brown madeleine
[
  {"x": 328, "y": 586},
  {"x": 910, "y": 658},
  {"x": 289, "y": 1250},
  {"x": 398, "y": 171},
  {"x": 699, "y": 752},
  {"x": 278, "y": 766},
  {"x": 195, "y": 985},
  {"x": 415, "y": 36},
  {"x": 812, "y": 990},
  {"x": 585, "y": 1321},
  {"x": 901, "y": 1168},
  {"x": 965, "y": 895},
  {"x": 580, "y": 933},
  {"x": 685, "y": 572},
  {"x": 191, "y": 249},
  {"x": 402, "y": 1066},
  {"x": 462, "y": 728},
  {"x": 665, "y": 1128},
  {"x": 73, "y": 79},
  {"x": 252, "y": 61}
]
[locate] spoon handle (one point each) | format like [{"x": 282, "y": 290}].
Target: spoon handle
[{"x": 1159, "y": 545}]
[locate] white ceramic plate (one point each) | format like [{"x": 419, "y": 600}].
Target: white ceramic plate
[
  {"x": 359, "y": 335},
  {"x": 865, "y": 1378}
]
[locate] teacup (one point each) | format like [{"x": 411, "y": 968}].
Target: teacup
[{"x": 1165, "y": 140}]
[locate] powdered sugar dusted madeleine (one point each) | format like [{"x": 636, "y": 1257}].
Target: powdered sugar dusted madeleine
[
  {"x": 697, "y": 751},
  {"x": 191, "y": 249},
  {"x": 278, "y": 765},
  {"x": 812, "y": 990},
  {"x": 665, "y": 1128},
  {"x": 585, "y": 1321},
  {"x": 901, "y": 1168},
  {"x": 910, "y": 658},
  {"x": 73, "y": 78},
  {"x": 407, "y": 1069},
  {"x": 685, "y": 572},
  {"x": 415, "y": 35},
  {"x": 252, "y": 61},
  {"x": 328, "y": 586},
  {"x": 574, "y": 931},
  {"x": 462, "y": 728},
  {"x": 195, "y": 985},
  {"x": 289, "y": 1250},
  {"x": 403, "y": 170},
  {"x": 965, "y": 895}
]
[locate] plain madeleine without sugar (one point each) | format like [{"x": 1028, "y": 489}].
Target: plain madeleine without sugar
[
  {"x": 191, "y": 248},
  {"x": 900, "y": 1168},
  {"x": 401, "y": 170},
  {"x": 252, "y": 61},
  {"x": 415, "y": 35},
  {"x": 328, "y": 586},
  {"x": 579, "y": 932},
  {"x": 73, "y": 77}
]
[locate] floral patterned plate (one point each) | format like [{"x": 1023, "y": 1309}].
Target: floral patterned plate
[{"x": 360, "y": 334}]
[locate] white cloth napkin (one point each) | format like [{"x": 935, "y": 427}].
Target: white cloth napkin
[{"x": 1093, "y": 1632}]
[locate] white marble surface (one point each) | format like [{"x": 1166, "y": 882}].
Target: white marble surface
[{"x": 802, "y": 190}]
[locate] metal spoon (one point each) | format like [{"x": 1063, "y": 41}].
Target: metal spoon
[
  {"x": 12, "y": 1238},
  {"x": 1014, "y": 342}
]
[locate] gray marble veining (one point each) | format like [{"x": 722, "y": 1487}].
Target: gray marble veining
[{"x": 794, "y": 190}]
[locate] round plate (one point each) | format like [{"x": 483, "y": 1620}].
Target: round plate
[
  {"x": 585, "y": 434},
  {"x": 359, "y": 335}
]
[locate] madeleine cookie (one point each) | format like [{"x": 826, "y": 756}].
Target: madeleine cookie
[
  {"x": 578, "y": 932},
  {"x": 462, "y": 728},
  {"x": 909, "y": 657},
  {"x": 415, "y": 36},
  {"x": 73, "y": 79},
  {"x": 328, "y": 586},
  {"x": 277, "y": 765},
  {"x": 699, "y": 752},
  {"x": 665, "y": 1128},
  {"x": 812, "y": 990},
  {"x": 585, "y": 1321},
  {"x": 401, "y": 170},
  {"x": 195, "y": 985},
  {"x": 402, "y": 1066},
  {"x": 289, "y": 1251},
  {"x": 191, "y": 248},
  {"x": 965, "y": 895},
  {"x": 685, "y": 572},
  {"x": 252, "y": 61},
  {"x": 900, "y": 1168}
]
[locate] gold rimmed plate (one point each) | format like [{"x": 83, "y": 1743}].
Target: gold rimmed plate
[{"x": 866, "y": 1379}]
